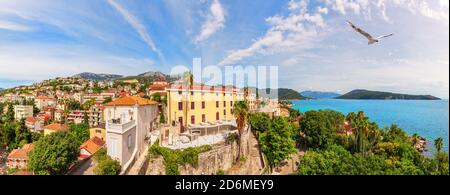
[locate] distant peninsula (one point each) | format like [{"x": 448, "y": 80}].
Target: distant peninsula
[
  {"x": 379, "y": 95},
  {"x": 284, "y": 94},
  {"x": 320, "y": 94}
]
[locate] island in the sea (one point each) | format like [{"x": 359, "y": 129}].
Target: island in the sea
[{"x": 366, "y": 94}]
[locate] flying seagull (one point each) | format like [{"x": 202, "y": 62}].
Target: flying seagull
[{"x": 367, "y": 35}]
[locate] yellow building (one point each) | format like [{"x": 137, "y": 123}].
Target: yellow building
[
  {"x": 201, "y": 104},
  {"x": 55, "y": 127},
  {"x": 97, "y": 132}
]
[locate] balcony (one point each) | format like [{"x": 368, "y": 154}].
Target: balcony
[{"x": 115, "y": 125}]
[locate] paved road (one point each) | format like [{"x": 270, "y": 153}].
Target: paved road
[{"x": 87, "y": 168}]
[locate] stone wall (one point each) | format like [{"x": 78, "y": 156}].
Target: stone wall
[{"x": 221, "y": 157}]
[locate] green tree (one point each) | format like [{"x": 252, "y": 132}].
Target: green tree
[
  {"x": 88, "y": 104},
  {"x": 10, "y": 113},
  {"x": 74, "y": 105},
  {"x": 9, "y": 135},
  {"x": 438, "y": 143},
  {"x": 80, "y": 132},
  {"x": 105, "y": 164},
  {"x": 23, "y": 134},
  {"x": 54, "y": 154},
  {"x": 2, "y": 105},
  {"x": 259, "y": 121},
  {"x": 318, "y": 130},
  {"x": 240, "y": 112},
  {"x": 162, "y": 118},
  {"x": 277, "y": 143},
  {"x": 107, "y": 100},
  {"x": 86, "y": 119},
  {"x": 156, "y": 97}
]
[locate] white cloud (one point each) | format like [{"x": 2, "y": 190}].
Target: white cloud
[
  {"x": 322, "y": 10},
  {"x": 137, "y": 26},
  {"x": 298, "y": 30},
  {"x": 42, "y": 61},
  {"x": 214, "y": 22},
  {"x": 434, "y": 9},
  {"x": 13, "y": 26}
]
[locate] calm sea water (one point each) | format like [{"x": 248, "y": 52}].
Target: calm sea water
[{"x": 427, "y": 118}]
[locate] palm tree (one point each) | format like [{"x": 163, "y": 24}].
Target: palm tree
[
  {"x": 362, "y": 130},
  {"x": 240, "y": 112},
  {"x": 438, "y": 143}
]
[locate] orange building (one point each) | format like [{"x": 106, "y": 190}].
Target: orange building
[{"x": 18, "y": 158}]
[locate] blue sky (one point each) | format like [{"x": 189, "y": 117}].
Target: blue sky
[{"x": 309, "y": 40}]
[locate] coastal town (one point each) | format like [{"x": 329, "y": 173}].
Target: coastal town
[
  {"x": 125, "y": 117},
  {"x": 292, "y": 87}
]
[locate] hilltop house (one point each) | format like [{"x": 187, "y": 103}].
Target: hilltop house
[
  {"x": 22, "y": 112},
  {"x": 18, "y": 158},
  {"x": 129, "y": 120},
  {"x": 34, "y": 124},
  {"x": 55, "y": 127},
  {"x": 91, "y": 146}
]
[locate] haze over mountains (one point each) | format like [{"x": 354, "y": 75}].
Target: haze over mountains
[{"x": 97, "y": 77}]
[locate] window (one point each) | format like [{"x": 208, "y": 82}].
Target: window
[
  {"x": 224, "y": 112},
  {"x": 231, "y": 103},
  {"x": 217, "y": 104},
  {"x": 129, "y": 141},
  {"x": 98, "y": 131},
  {"x": 180, "y": 92},
  {"x": 193, "y": 119},
  {"x": 231, "y": 111},
  {"x": 192, "y": 93},
  {"x": 203, "y": 105},
  {"x": 217, "y": 116},
  {"x": 203, "y": 118},
  {"x": 224, "y": 104},
  {"x": 180, "y": 120},
  {"x": 192, "y": 105},
  {"x": 180, "y": 105}
]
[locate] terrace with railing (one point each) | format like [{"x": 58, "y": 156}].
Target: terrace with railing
[{"x": 120, "y": 126}]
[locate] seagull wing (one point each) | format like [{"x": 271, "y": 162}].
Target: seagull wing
[
  {"x": 384, "y": 36},
  {"x": 364, "y": 33}
]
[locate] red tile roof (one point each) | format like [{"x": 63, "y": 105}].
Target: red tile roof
[
  {"x": 57, "y": 127},
  {"x": 130, "y": 101},
  {"x": 31, "y": 119},
  {"x": 158, "y": 87},
  {"x": 21, "y": 153},
  {"x": 22, "y": 172},
  {"x": 93, "y": 145}
]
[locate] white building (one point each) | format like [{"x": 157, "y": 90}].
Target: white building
[
  {"x": 129, "y": 121},
  {"x": 22, "y": 112}
]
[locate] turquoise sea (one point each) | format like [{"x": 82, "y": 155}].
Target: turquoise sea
[{"x": 427, "y": 118}]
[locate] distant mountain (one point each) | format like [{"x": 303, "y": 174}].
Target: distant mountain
[
  {"x": 152, "y": 74},
  {"x": 97, "y": 77},
  {"x": 285, "y": 94},
  {"x": 319, "y": 94},
  {"x": 366, "y": 94},
  {"x": 149, "y": 77}
]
